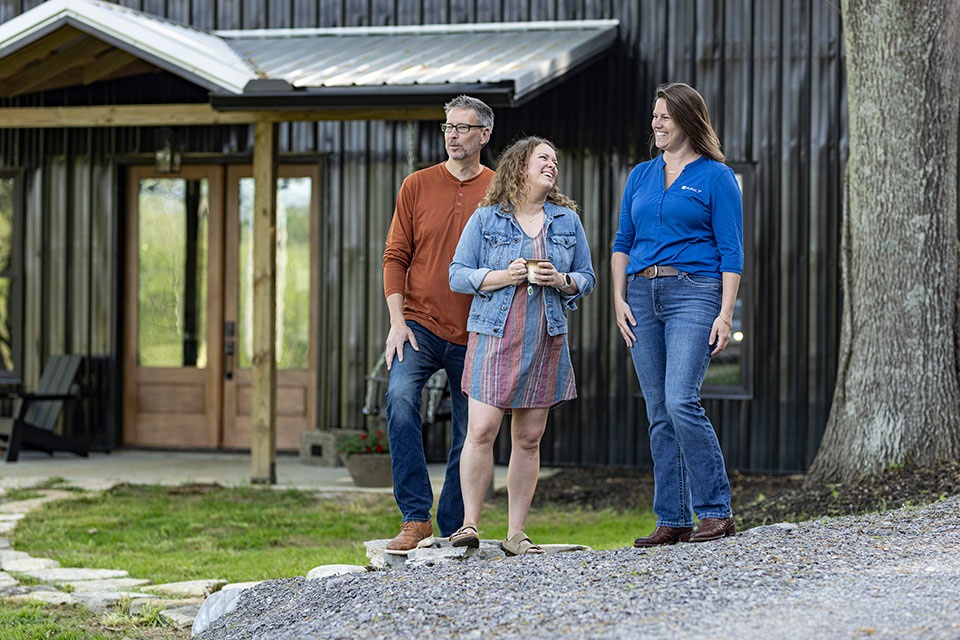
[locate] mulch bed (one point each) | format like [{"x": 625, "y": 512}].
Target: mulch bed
[{"x": 757, "y": 499}]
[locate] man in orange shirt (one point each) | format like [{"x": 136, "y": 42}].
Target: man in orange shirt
[{"x": 428, "y": 322}]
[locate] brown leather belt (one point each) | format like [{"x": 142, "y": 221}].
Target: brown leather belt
[{"x": 658, "y": 271}]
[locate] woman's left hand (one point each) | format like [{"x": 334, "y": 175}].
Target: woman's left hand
[{"x": 720, "y": 334}]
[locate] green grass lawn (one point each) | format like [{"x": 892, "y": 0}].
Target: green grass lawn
[{"x": 169, "y": 534}]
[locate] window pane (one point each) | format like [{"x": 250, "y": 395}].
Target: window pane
[
  {"x": 173, "y": 273},
  {"x": 726, "y": 368},
  {"x": 6, "y": 254},
  {"x": 6, "y": 342},
  {"x": 6, "y": 223},
  {"x": 293, "y": 273}
]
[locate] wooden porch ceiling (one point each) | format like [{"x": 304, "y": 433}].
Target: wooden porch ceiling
[{"x": 66, "y": 57}]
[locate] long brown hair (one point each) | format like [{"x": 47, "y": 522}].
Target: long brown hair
[
  {"x": 689, "y": 111},
  {"x": 508, "y": 187}
]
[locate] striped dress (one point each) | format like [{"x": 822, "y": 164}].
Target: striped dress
[{"x": 526, "y": 367}]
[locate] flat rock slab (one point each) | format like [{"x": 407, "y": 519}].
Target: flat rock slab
[
  {"x": 443, "y": 551},
  {"x": 29, "y": 566},
  {"x": 24, "y": 506},
  {"x": 240, "y": 585},
  {"x": 140, "y": 605},
  {"x": 71, "y": 574},
  {"x": 181, "y": 617},
  {"x": 57, "y": 598},
  {"x": 327, "y": 570},
  {"x": 104, "y": 601},
  {"x": 188, "y": 589},
  {"x": 7, "y": 580},
  {"x": 6, "y": 555},
  {"x": 110, "y": 584}
]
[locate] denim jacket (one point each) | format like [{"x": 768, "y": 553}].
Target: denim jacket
[{"x": 492, "y": 240}]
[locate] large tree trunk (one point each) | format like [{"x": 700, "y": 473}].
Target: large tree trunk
[{"x": 897, "y": 399}]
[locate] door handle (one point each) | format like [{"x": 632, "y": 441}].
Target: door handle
[{"x": 229, "y": 349}]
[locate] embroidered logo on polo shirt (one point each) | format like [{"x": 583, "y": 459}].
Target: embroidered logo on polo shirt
[{"x": 686, "y": 188}]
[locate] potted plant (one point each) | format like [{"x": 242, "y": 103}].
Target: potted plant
[{"x": 367, "y": 458}]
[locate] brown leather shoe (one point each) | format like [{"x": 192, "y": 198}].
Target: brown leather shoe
[
  {"x": 663, "y": 536},
  {"x": 413, "y": 535},
  {"x": 714, "y": 529}
]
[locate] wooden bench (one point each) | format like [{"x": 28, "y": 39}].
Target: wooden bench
[{"x": 35, "y": 415}]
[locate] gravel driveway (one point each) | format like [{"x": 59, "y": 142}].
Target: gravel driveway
[{"x": 889, "y": 575}]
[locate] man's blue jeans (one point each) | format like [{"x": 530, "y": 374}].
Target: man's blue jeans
[
  {"x": 411, "y": 480},
  {"x": 674, "y": 317}
]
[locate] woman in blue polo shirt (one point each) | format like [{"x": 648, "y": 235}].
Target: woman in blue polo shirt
[{"x": 677, "y": 260}]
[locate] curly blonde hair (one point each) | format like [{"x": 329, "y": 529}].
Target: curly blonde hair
[{"x": 508, "y": 187}]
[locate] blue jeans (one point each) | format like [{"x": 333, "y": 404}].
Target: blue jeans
[
  {"x": 411, "y": 480},
  {"x": 674, "y": 317}
]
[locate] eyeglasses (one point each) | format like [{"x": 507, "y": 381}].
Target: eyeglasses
[{"x": 446, "y": 127}]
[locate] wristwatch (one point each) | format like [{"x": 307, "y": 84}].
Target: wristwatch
[{"x": 566, "y": 281}]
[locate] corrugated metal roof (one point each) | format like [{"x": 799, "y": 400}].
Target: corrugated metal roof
[
  {"x": 196, "y": 55},
  {"x": 272, "y": 69},
  {"x": 527, "y": 55}
]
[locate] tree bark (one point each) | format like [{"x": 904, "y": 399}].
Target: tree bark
[{"x": 897, "y": 397}]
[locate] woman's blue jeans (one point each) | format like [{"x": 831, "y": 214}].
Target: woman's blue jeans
[
  {"x": 674, "y": 318},
  {"x": 411, "y": 479}
]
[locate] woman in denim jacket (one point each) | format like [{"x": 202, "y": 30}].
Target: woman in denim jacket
[{"x": 518, "y": 359}]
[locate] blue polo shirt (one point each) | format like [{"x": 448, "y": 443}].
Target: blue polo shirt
[{"x": 695, "y": 226}]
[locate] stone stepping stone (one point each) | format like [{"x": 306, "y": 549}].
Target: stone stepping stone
[
  {"x": 57, "y": 598},
  {"x": 71, "y": 574},
  {"x": 101, "y": 602},
  {"x": 29, "y": 565},
  {"x": 443, "y": 551},
  {"x": 327, "y": 570},
  {"x": 24, "y": 506},
  {"x": 6, "y": 555},
  {"x": 110, "y": 584},
  {"x": 7, "y": 580},
  {"x": 138, "y": 606},
  {"x": 187, "y": 589},
  {"x": 181, "y": 617}
]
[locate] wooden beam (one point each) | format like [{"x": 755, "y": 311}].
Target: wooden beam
[
  {"x": 263, "y": 446},
  {"x": 71, "y": 57},
  {"x": 106, "y": 64},
  {"x": 16, "y": 61},
  {"x": 156, "y": 115}
]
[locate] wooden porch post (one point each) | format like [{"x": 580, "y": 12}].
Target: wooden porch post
[{"x": 263, "y": 446}]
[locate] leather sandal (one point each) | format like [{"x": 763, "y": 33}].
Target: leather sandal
[
  {"x": 465, "y": 536},
  {"x": 519, "y": 544}
]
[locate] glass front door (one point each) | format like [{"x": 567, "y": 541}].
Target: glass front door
[{"x": 189, "y": 318}]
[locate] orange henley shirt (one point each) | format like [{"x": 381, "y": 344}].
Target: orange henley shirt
[{"x": 433, "y": 207}]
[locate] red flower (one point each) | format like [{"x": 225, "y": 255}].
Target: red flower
[
  {"x": 363, "y": 436},
  {"x": 379, "y": 448}
]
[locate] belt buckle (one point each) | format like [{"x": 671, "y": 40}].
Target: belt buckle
[{"x": 656, "y": 271}]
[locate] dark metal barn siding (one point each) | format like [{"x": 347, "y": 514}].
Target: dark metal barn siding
[{"x": 772, "y": 74}]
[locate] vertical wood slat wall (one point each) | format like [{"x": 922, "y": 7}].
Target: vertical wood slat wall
[{"x": 772, "y": 75}]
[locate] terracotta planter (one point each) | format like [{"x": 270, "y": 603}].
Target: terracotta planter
[{"x": 369, "y": 469}]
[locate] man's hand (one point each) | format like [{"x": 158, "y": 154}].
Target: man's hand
[{"x": 395, "y": 339}]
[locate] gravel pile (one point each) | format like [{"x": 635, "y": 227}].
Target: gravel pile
[{"x": 888, "y": 575}]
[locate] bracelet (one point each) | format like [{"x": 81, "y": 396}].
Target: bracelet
[{"x": 729, "y": 326}]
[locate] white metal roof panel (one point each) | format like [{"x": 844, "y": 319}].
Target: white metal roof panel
[
  {"x": 199, "y": 56},
  {"x": 526, "y": 54}
]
